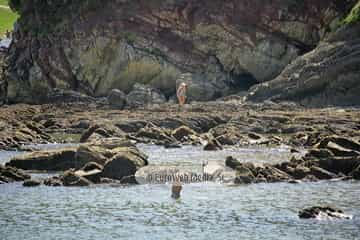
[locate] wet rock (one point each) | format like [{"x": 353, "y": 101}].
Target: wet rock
[
  {"x": 31, "y": 183},
  {"x": 310, "y": 178},
  {"x": 340, "y": 151},
  {"x": 339, "y": 164},
  {"x": 228, "y": 139},
  {"x": 81, "y": 124},
  {"x": 11, "y": 174},
  {"x": 117, "y": 99},
  {"x": 109, "y": 181},
  {"x": 182, "y": 132},
  {"x": 254, "y": 136},
  {"x": 323, "y": 213},
  {"x": 213, "y": 145},
  {"x": 89, "y": 153},
  {"x": 93, "y": 175},
  {"x": 71, "y": 179},
  {"x": 232, "y": 162},
  {"x": 171, "y": 145},
  {"x": 293, "y": 150},
  {"x": 142, "y": 95},
  {"x": 97, "y": 132},
  {"x": 272, "y": 174},
  {"x": 53, "y": 182},
  {"x": 356, "y": 173},
  {"x": 320, "y": 153},
  {"x": 51, "y": 160},
  {"x": 63, "y": 96},
  {"x": 244, "y": 175},
  {"x": 300, "y": 172},
  {"x": 92, "y": 166},
  {"x": 155, "y": 133},
  {"x": 321, "y": 174},
  {"x": 345, "y": 143},
  {"x": 102, "y": 150},
  {"x": 86, "y": 134},
  {"x": 49, "y": 123},
  {"x": 123, "y": 166}
]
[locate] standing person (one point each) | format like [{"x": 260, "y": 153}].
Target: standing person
[{"x": 181, "y": 93}]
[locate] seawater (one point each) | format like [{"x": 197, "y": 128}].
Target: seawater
[{"x": 205, "y": 211}]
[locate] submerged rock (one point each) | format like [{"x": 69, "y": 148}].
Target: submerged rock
[{"x": 323, "y": 213}]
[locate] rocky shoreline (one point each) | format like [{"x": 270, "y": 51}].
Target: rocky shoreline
[{"x": 108, "y": 136}]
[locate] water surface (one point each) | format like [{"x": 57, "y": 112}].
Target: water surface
[{"x": 206, "y": 210}]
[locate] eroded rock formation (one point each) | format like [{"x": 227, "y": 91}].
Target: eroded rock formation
[{"x": 328, "y": 75}]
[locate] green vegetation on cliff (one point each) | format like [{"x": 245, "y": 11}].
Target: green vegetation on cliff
[
  {"x": 46, "y": 17},
  {"x": 7, "y": 17},
  {"x": 354, "y": 15}
]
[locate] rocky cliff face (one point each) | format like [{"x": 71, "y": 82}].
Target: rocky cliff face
[
  {"x": 328, "y": 75},
  {"x": 224, "y": 46}
]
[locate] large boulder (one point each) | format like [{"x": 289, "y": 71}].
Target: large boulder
[
  {"x": 142, "y": 95},
  {"x": 89, "y": 153},
  {"x": 117, "y": 99},
  {"x": 123, "y": 166},
  {"x": 101, "y": 150},
  {"x": 50, "y": 160}
]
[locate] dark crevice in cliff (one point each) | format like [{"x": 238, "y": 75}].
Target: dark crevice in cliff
[{"x": 242, "y": 82}]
